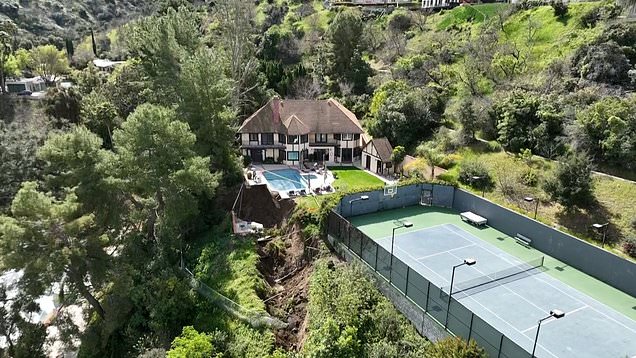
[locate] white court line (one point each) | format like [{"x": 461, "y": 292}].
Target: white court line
[
  {"x": 443, "y": 252},
  {"x": 548, "y": 283},
  {"x": 554, "y": 319},
  {"x": 485, "y": 308},
  {"x": 504, "y": 286}
]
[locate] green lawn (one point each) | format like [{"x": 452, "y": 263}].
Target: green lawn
[{"x": 352, "y": 178}]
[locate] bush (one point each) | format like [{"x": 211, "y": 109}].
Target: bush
[
  {"x": 448, "y": 178},
  {"x": 590, "y": 18},
  {"x": 529, "y": 177},
  {"x": 571, "y": 184},
  {"x": 474, "y": 168},
  {"x": 449, "y": 161},
  {"x": 399, "y": 20},
  {"x": 455, "y": 347},
  {"x": 605, "y": 63},
  {"x": 494, "y": 146},
  {"x": 560, "y": 8},
  {"x": 629, "y": 246}
]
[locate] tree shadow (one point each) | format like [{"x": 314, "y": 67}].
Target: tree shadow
[
  {"x": 580, "y": 222},
  {"x": 564, "y": 19}
]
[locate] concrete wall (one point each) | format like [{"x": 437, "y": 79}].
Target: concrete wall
[
  {"x": 408, "y": 195},
  {"x": 603, "y": 265}
]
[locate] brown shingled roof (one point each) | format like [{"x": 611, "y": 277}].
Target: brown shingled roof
[
  {"x": 384, "y": 149},
  {"x": 322, "y": 116}
]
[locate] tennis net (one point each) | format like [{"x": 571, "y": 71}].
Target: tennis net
[{"x": 496, "y": 278}]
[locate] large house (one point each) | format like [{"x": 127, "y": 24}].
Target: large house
[{"x": 293, "y": 132}]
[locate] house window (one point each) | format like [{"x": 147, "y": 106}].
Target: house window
[
  {"x": 281, "y": 138},
  {"x": 347, "y": 136},
  {"x": 304, "y": 138},
  {"x": 337, "y": 136},
  {"x": 267, "y": 138},
  {"x": 292, "y": 155},
  {"x": 254, "y": 137},
  {"x": 356, "y": 136},
  {"x": 321, "y": 138},
  {"x": 292, "y": 139}
]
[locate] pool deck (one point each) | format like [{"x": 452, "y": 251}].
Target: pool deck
[{"x": 259, "y": 179}]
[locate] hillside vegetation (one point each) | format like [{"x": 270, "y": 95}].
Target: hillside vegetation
[
  {"x": 112, "y": 185},
  {"x": 52, "y": 21}
]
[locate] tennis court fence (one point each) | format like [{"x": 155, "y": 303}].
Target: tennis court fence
[{"x": 430, "y": 299}]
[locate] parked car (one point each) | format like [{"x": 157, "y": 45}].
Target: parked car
[{"x": 25, "y": 93}]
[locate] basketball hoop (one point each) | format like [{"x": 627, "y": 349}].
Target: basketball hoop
[{"x": 390, "y": 190}]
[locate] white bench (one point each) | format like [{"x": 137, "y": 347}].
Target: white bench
[
  {"x": 523, "y": 240},
  {"x": 473, "y": 218}
]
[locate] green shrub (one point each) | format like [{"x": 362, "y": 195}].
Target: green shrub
[
  {"x": 529, "y": 177},
  {"x": 474, "y": 168},
  {"x": 247, "y": 160},
  {"x": 455, "y": 347},
  {"x": 448, "y": 178},
  {"x": 494, "y": 146},
  {"x": 449, "y": 161},
  {"x": 560, "y": 8},
  {"x": 571, "y": 184},
  {"x": 590, "y": 18}
]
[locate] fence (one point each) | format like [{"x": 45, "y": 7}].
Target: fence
[
  {"x": 432, "y": 300},
  {"x": 603, "y": 265},
  {"x": 254, "y": 318}
]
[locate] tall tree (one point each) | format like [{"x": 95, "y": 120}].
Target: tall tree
[
  {"x": 7, "y": 32},
  {"x": 345, "y": 50},
  {"x": 161, "y": 44},
  {"x": 48, "y": 62},
  {"x": 204, "y": 103},
  {"x": 237, "y": 37},
  {"x": 19, "y": 143},
  {"x": 51, "y": 242},
  {"x": 161, "y": 170},
  {"x": 402, "y": 113}
]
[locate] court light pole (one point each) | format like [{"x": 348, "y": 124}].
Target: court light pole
[
  {"x": 467, "y": 262},
  {"x": 483, "y": 187},
  {"x": 601, "y": 228},
  {"x": 403, "y": 224},
  {"x": 362, "y": 197},
  {"x": 530, "y": 199},
  {"x": 553, "y": 313}
]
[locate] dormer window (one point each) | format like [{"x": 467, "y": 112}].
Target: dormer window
[{"x": 321, "y": 137}]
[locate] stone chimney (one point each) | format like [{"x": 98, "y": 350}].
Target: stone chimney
[{"x": 276, "y": 109}]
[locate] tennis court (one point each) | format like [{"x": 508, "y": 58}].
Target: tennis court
[{"x": 508, "y": 293}]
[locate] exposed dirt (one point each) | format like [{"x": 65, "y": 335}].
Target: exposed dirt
[
  {"x": 286, "y": 264},
  {"x": 257, "y": 204}
]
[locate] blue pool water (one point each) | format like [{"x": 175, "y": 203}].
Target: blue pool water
[{"x": 287, "y": 179}]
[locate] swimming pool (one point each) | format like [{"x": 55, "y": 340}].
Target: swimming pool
[{"x": 288, "y": 179}]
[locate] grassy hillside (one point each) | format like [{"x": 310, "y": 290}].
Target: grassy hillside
[
  {"x": 613, "y": 198},
  {"x": 553, "y": 38},
  {"x": 53, "y": 20}
]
